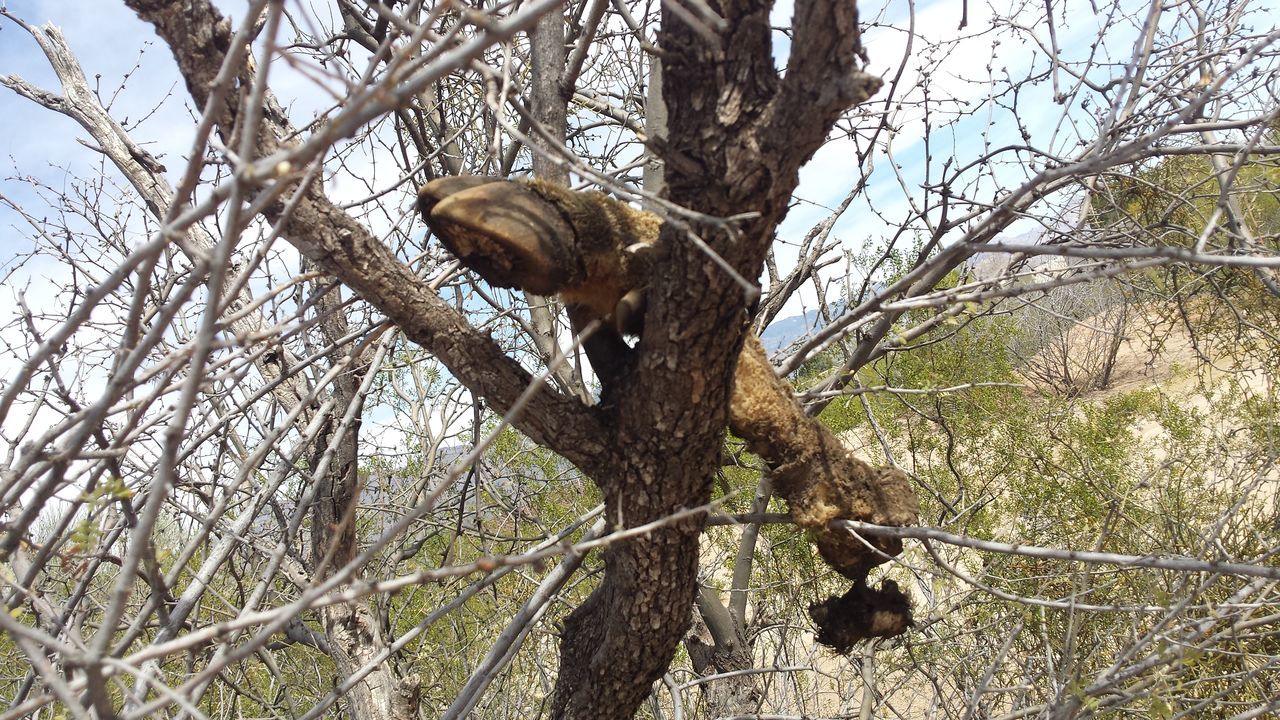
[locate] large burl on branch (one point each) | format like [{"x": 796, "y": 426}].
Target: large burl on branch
[{"x": 598, "y": 255}]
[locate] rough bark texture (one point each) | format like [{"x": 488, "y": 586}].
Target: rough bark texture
[
  {"x": 717, "y": 645},
  {"x": 549, "y": 109},
  {"x": 595, "y": 253},
  {"x": 737, "y": 136},
  {"x": 353, "y": 630},
  {"x": 590, "y": 250},
  {"x": 820, "y": 479}
]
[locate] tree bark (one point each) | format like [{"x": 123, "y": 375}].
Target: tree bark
[
  {"x": 737, "y": 137},
  {"x": 728, "y": 651},
  {"x": 550, "y": 111}
]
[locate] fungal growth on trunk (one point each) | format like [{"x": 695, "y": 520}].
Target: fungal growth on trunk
[{"x": 597, "y": 254}]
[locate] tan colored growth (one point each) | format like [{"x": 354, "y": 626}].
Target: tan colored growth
[{"x": 596, "y": 253}]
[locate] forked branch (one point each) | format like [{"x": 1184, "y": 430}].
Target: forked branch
[{"x": 598, "y": 254}]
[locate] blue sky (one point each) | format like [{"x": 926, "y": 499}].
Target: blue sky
[
  {"x": 110, "y": 41},
  {"x": 113, "y": 44}
]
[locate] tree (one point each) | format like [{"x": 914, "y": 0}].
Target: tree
[
  {"x": 201, "y": 470},
  {"x": 1072, "y": 336}
]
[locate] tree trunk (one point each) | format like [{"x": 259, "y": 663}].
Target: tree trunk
[
  {"x": 736, "y": 139},
  {"x": 547, "y": 103},
  {"x": 727, "y": 652}
]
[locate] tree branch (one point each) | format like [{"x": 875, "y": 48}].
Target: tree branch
[{"x": 199, "y": 37}]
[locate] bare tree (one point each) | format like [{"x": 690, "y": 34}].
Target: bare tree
[
  {"x": 270, "y": 450},
  {"x": 1070, "y": 338}
]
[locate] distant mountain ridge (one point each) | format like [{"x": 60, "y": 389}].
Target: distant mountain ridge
[
  {"x": 984, "y": 266},
  {"x": 787, "y": 330}
]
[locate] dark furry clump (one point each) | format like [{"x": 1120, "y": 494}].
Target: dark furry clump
[{"x": 860, "y": 614}]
